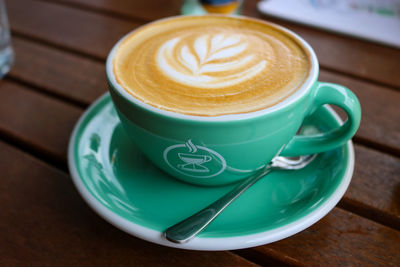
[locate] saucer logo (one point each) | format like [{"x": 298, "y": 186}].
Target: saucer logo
[{"x": 193, "y": 160}]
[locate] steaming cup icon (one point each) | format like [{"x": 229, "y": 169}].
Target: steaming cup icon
[{"x": 193, "y": 162}]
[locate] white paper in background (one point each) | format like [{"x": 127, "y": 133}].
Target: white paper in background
[{"x": 375, "y": 20}]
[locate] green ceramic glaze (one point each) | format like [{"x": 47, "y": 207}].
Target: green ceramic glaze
[
  {"x": 208, "y": 152},
  {"x": 119, "y": 177}
]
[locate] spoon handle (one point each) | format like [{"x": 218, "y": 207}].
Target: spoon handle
[{"x": 193, "y": 225}]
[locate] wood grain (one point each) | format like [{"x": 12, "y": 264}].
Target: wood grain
[
  {"x": 141, "y": 10},
  {"x": 340, "y": 239},
  {"x": 343, "y": 54},
  {"x": 36, "y": 120},
  {"x": 43, "y": 221},
  {"x": 70, "y": 28},
  {"x": 375, "y": 189},
  {"x": 72, "y": 77},
  {"x": 82, "y": 80}
]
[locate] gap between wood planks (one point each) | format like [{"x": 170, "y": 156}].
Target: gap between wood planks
[
  {"x": 376, "y": 146},
  {"x": 37, "y": 152},
  {"x": 53, "y": 94},
  {"x": 369, "y": 212},
  {"x": 28, "y": 37}
]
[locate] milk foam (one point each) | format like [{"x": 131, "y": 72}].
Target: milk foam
[
  {"x": 210, "y": 65},
  {"x": 201, "y": 61}
]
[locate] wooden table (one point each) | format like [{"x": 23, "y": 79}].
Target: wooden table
[{"x": 61, "y": 47}]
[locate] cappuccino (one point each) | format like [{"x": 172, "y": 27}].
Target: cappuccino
[{"x": 211, "y": 65}]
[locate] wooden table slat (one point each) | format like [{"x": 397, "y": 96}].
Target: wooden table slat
[
  {"x": 340, "y": 239},
  {"x": 142, "y": 10},
  {"x": 37, "y": 120},
  {"x": 70, "y": 76},
  {"x": 375, "y": 183},
  {"x": 85, "y": 32}
]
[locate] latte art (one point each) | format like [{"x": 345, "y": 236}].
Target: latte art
[
  {"x": 203, "y": 62},
  {"x": 210, "y": 65}
]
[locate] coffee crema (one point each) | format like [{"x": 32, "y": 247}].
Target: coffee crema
[{"x": 210, "y": 65}]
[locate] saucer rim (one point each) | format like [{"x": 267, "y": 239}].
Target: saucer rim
[{"x": 206, "y": 243}]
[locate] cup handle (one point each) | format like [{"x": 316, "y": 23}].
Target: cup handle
[{"x": 335, "y": 94}]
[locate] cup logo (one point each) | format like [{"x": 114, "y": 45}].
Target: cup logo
[
  {"x": 208, "y": 61},
  {"x": 194, "y": 161}
]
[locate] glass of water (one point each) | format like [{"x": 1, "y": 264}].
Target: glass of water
[{"x": 6, "y": 52}]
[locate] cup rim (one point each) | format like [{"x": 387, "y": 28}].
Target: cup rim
[{"x": 298, "y": 94}]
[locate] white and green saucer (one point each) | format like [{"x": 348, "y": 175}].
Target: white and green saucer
[{"x": 124, "y": 188}]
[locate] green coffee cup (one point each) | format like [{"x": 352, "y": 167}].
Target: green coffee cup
[{"x": 217, "y": 150}]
